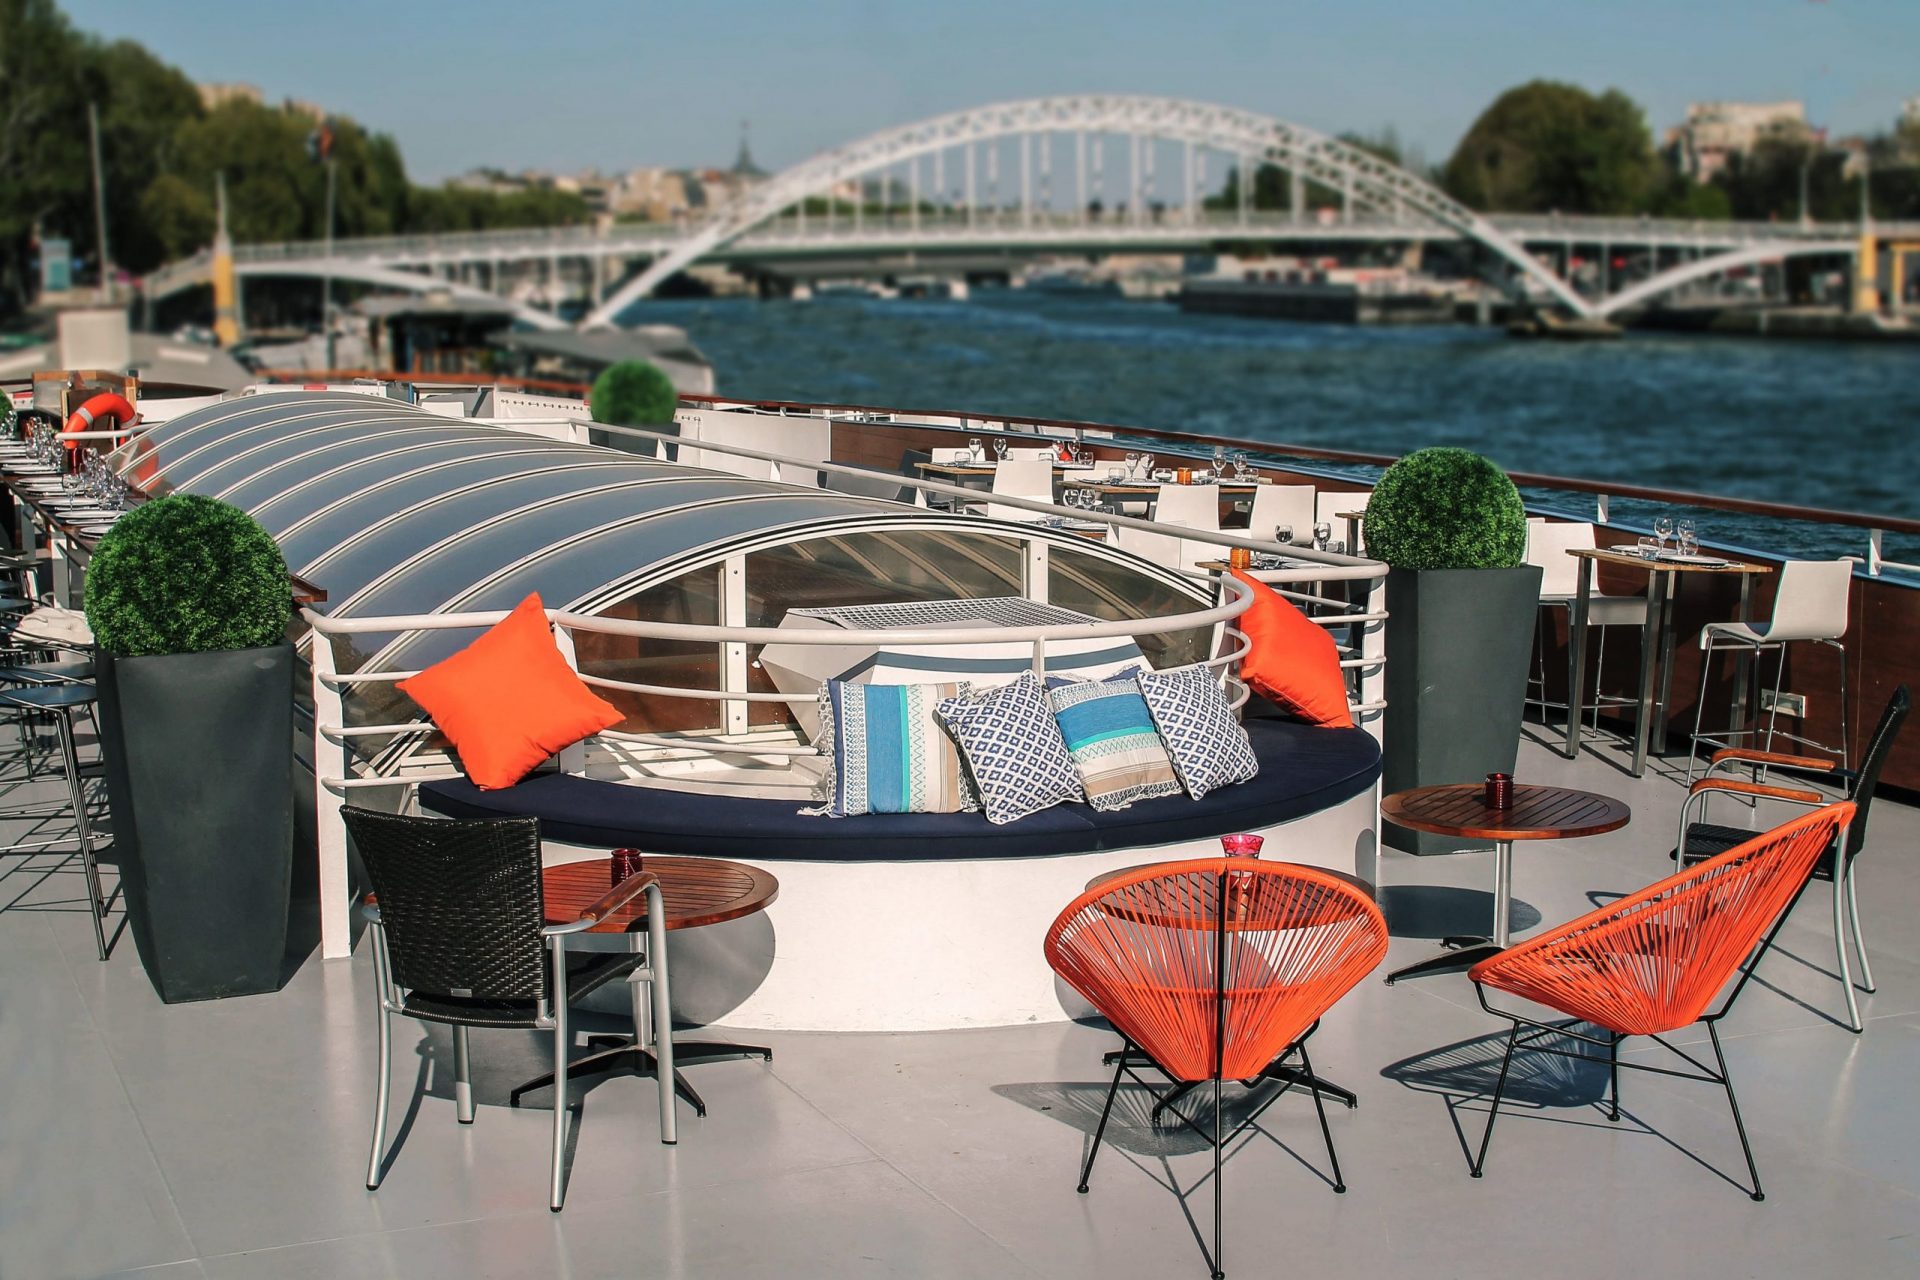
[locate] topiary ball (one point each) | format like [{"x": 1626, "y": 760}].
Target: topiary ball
[
  {"x": 187, "y": 574},
  {"x": 633, "y": 393},
  {"x": 1446, "y": 509}
]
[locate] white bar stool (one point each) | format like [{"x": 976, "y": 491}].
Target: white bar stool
[{"x": 1810, "y": 605}]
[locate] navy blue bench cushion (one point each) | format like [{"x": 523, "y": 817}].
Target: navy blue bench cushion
[{"x": 1302, "y": 770}]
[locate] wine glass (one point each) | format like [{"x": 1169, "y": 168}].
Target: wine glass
[
  {"x": 999, "y": 449},
  {"x": 1322, "y": 531},
  {"x": 1283, "y": 534},
  {"x": 1240, "y": 467},
  {"x": 976, "y": 451},
  {"x": 1219, "y": 459},
  {"x": 1133, "y": 463},
  {"x": 1663, "y": 530},
  {"x": 1689, "y": 539},
  {"x": 1146, "y": 465}
]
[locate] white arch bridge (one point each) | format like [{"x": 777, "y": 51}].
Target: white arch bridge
[{"x": 1067, "y": 174}]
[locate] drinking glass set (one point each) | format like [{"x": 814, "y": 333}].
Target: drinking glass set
[
  {"x": 94, "y": 480},
  {"x": 1682, "y": 533}
]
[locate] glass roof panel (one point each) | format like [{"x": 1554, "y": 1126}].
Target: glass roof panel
[
  {"x": 423, "y": 470},
  {"x": 364, "y": 461},
  {"x": 174, "y": 461}
]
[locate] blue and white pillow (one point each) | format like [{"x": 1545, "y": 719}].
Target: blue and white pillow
[
  {"x": 886, "y": 753},
  {"x": 1207, "y": 742},
  {"x": 1013, "y": 749},
  {"x": 1111, "y": 736}
]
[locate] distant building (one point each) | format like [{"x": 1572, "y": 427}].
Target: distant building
[
  {"x": 658, "y": 195},
  {"x": 218, "y": 95},
  {"x": 1715, "y": 132}
]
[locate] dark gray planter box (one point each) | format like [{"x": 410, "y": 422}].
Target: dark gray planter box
[
  {"x": 1458, "y": 643},
  {"x": 199, "y": 766}
]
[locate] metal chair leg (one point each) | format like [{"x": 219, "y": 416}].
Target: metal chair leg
[
  {"x": 1699, "y": 711},
  {"x": 561, "y": 1037},
  {"x": 1773, "y": 716},
  {"x": 1613, "y": 1079},
  {"x": 462, "y": 1077},
  {"x": 1480, "y": 1162},
  {"x": 1219, "y": 1193},
  {"x": 1859, "y": 943},
  {"x": 1733, "y": 1103},
  {"x": 89, "y": 866},
  {"x": 378, "y": 1153},
  {"x": 1326, "y": 1132},
  {"x": 1840, "y": 946},
  {"x": 1100, "y": 1131}
]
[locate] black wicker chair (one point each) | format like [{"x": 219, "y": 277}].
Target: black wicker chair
[
  {"x": 459, "y": 939},
  {"x": 1700, "y": 840}
]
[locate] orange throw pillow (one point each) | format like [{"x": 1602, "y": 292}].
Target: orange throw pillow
[
  {"x": 509, "y": 700},
  {"x": 1292, "y": 662}
]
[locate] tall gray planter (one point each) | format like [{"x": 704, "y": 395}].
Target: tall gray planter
[
  {"x": 1458, "y": 643},
  {"x": 199, "y": 767}
]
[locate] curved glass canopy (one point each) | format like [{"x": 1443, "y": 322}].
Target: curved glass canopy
[{"x": 395, "y": 511}]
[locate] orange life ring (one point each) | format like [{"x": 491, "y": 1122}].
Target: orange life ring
[{"x": 107, "y": 404}]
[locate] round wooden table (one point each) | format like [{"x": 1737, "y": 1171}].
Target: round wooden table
[
  {"x": 1537, "y": 813},
  {"x": 693, "y": 892}
]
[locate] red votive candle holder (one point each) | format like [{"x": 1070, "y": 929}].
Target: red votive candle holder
[
  {"x": 1243, "y": 845},
  {"x": 1499, "y": 791},
  {"x": 626, "y": 864}
]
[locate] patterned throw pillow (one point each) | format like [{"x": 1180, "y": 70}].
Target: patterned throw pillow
[
  {"x": 1013, "y": 749},
  {"x": 1208, "y": 745},
  {"x": 885, "y": 751},
  {"x": 1110, "y": 734}
]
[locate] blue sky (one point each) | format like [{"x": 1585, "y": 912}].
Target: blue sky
[{"x": 566, "y": 84}]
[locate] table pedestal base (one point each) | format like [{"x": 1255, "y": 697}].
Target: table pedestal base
[
  {"x": 621, "y": 1054},
  {"x": 1465, "y": 952}
]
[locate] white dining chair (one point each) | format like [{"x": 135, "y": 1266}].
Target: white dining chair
[
  {"x": 1191, "y": 506},
  {"x": 1548, "y": 545},
  {"x": 1810, "y": 605},
  {"x": 1278, "y": 504},
  {"x": 1327, "y": 508},
  {"x": 1162, "y": 549},
  {"x": 1020, "y": 478}
]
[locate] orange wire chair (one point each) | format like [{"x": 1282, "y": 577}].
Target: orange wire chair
[
  {"x": 1217, "y": 969},
  {"x": 1654, "y": 961}
]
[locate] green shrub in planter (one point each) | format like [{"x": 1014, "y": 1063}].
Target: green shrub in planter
[
  {"x": 187, "y": 574},
  {"x": 1446, "y": 509},
  {"x": 189, "y": 604},
  {"x": 633, "y": 393}
]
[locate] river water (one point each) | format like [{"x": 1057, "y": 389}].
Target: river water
[{"x": 1805, "y": 423}]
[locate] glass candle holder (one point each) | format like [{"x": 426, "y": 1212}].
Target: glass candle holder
[
  {"x": 1243, "y": 845},
  {"x": 626, "y": 864}
]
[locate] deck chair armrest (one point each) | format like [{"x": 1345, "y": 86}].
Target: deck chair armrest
[
  {"x": 1737, "y": 787},
  {"x": 1733, "y": 757}
]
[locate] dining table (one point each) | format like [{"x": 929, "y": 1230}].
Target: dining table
[{"x": 1656, "y": 641}]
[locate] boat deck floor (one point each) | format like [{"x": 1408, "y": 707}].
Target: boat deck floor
[{"x": 229, "y": 1139}]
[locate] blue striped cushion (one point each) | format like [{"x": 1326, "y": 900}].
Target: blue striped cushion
[
  {"x": 885, "y": 751},
  {"x": 1115, "y": 747}
]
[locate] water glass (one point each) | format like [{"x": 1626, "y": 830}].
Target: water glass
[
  {"x": 1115, "y": 475},
  {"x": 1283, "y": 534},
  {"x": 1649, "y": 547},
  {"x": 1321, "y": 532}
]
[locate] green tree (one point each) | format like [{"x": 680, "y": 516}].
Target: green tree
[
  {"x": 143, "y": 103},
  {"x": 178, "y": 216},
  {"x": 1546, "y": 146},
  {"x": 43, "y": 136}
]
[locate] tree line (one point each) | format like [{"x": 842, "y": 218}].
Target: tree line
[
  {"x": 1545, "y": 147},
  {"x": 161, "y": 149}
]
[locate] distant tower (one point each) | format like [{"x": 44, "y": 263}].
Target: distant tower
[{"x": 743, "y": 164}]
